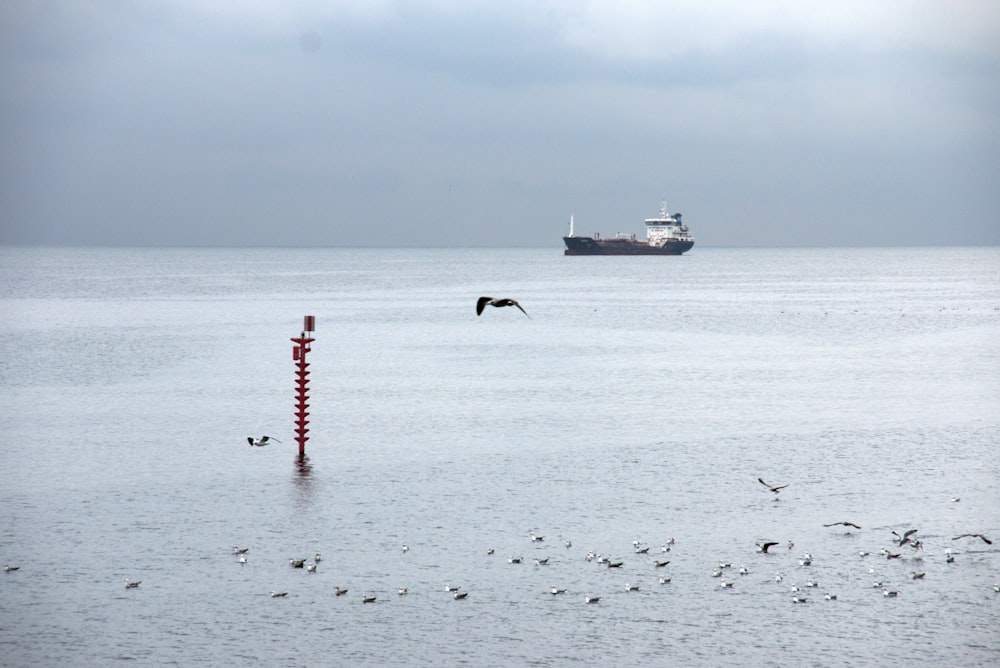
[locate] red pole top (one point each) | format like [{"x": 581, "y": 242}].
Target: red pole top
[{"x": 309, "y": 324}]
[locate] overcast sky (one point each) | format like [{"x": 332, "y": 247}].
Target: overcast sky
[{"x": 465, "y": 123}]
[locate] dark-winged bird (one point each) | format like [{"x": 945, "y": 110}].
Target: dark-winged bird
[
  {"x": 773, "y": 488},
  {"x": 262, "y": 441},
  {"x": 483, "y": 302},
  {"x": 975, "y": 535},
  {"x": 846, "y": 524}
]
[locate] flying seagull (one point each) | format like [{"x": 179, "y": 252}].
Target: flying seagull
[
  {"x": 766, "y": 546},
  {"x": 846, "y": 524},
  {"x": 905, "y": 538},
  {"x": 773, "y": 488},
  {"x": 262, "y": 441},
  {"x": 975, "y": 535},
  {"x": 483, "y": 302}
]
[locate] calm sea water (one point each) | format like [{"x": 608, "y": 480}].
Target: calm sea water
[{"x": 640, "y": 402}]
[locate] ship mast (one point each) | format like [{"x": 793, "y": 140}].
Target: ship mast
[{"x": 571, "y": 224}]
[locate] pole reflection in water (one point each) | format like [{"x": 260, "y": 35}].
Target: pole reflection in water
[{"x": 302, "y": 478}]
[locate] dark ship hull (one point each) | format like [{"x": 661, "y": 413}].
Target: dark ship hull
[{"x": 591, "y": 246}]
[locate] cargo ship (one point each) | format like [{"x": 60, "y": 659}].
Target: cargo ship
[{"x": 665, "y": 235}]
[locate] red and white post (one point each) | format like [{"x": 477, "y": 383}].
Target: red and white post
[{"x": 299, "y": 351}]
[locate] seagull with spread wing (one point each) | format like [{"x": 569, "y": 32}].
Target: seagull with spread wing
[
  {"x": 499, "y": 302},
  {"x": 773, "y": 488}
]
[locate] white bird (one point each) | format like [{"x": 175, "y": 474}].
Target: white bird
[
  {"x": 799, "y": 599},
  {"x": 664, "y": 580},
  {"x": 724, "y": 583},
  {"x": 129, "y": 584},
  {"x": 243, "y": 560},
  {"x": 542, "y": 562},
  {"x": 812, "y": 583},
  {"x": 240, "y": 550},
  {"x": 888, "y": 593},
  {"x": 778, "y": 577},
  {"x": 556, "y": 590},
  {"x": 297, "y": 563},
  {"x": 449, "y": 587},
  {"x": 483, "y": 302},
  {"x": 406, "y": 548},
  {"x": 830, "y": 597},
  {"x": 511, "y": 559},
  {"x": 262, "y": 441},
  {"x": 318, "y": 558},
  {"x": 744, "y": 570},
  {"x": 10, "y": 569},
  {"x": 278, "y": 594},
  {"x": 537, "y": 539},
  {"x": 459, "y": 595},
  {"x": 311, "y": 568},
  {"x": 592, "y": 599},
  {"x": 568, "y": 543},
  {"x": 631, "y": 587},
  {"x": 403, "y": 591}
]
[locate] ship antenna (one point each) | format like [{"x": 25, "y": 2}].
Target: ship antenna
[
  {"x": 663, "y": 209},
  {"x": 571, "y": 224}
]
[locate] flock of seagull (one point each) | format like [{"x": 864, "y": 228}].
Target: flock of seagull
[
  {"x": 658, "y": 564},
  {"x": 908, "y": 538}
]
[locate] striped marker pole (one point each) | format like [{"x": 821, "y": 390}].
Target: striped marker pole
[{"x": 299, "y": 350}]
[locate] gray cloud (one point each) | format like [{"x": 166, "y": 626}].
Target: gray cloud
[{"x": 423, "y": 124}]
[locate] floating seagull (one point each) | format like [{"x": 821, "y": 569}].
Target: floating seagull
[
  {"x": 830, "y": 597},
  {"x": 631, "y": 587},
  {"x": 892, "y": 555},
  {"x": 615, "y": 564},
  {"x": 717, "y": 573},
  {"x": 642, "y": 550},
  {"x": 660, "y": 564},
  {"x": 744, "y": 570},
  {"x": 812, "y": 583},
  {"x": 297, "y": 563},
  {"x": 243, "y": 560},
  {"x": 863, "y": 553},
  {"x": 406, "y": 548},
  {"x": 513, "y": 560},
  {"x": 773, "y": 488},
  {"x": 262, "y": 441},
  {"x": 799, "y": 599},
  {"x": 592, "y": 599},
  {"x": 8, "y": 568},
  {"x": 724, "y": 584},
  {"x": 542, "y": 562},
  {"x": 448, "y": 587},
  {"x": 778, "y": 577},
  {"x": 917, "y": 576},
  {"x": 568, "y": 543},
  {"x": 490, "y": 551},
  {"x": 846, "y": 524},
  {"x": 240, "y": 550},
  {"x": 338, "y": 591},
  {"x": 483, "y": 302},
  {"x": 459, "y": 595},
  {"x": 536, "y": 539},
  {"x": 888, "y": 593},
  {"x": 278, "y": 594},
  {"x": 311, "y": 568},
  {"x": 766, "y": 546},
  {"x": 805, "y": 561},
  {"x": 975, "y": 535},
  {"x": 950, "y": 559},
  {"x": 905, "y": 538},
  {"x": 556, "y": 590},
  {"x": 664, "y": 580},
  {"x": 318, "y": 558},
  {"x": 368, "y": 598},
  {"x": 129, "y": 584},
  {"x": 403, "y": 591}
]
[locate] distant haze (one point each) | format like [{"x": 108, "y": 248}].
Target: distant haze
[{"x": 437, "y": 123}]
